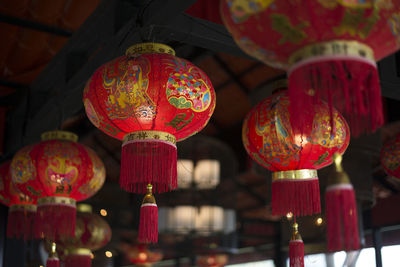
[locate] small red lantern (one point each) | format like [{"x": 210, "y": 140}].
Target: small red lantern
[
  {"x": 22, "y": 209},
  {"x": 293, "y": 156},
  {"x": 149, "y": 99},
  {"x": 214, "y": 260},
  {"x": 91, "y": 233},
  {"x": 57, "y": 172},
  {"x": 329, "y": 49},
  {"x": 140, "y": 255},
  {"x": 390, "y": 156}
]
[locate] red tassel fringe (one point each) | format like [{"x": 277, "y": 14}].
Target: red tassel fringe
[
  {"x": 341, "y": 218},
  {"x": 300, "y": 197},
  {"x": 148, "y": 162},
  {"x": 350, "y": 85},
  {"x": 296, "y": 253},
  {"x": 53, "y": 262},
  {"x": 20, "y": 224},
  {"x": 148, "y": 225},
  {"x": 54, "y": 221},
  {"x": 78, "y": 260}
]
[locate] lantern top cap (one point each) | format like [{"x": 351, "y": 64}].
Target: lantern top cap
[
  {"x": 149, "y": 48},
  {"x": 59, "y": 135},
  {"x": 86, "y": 208}
]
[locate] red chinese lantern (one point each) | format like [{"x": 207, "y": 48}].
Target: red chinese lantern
[
  {"x": 341, "y": 211},
  {"x": 57, "y": 172},
  {"x": 292, "y": 156},
  {"x": 91, "y": 233},
  {"x": 22, "y": 209},
  {"x": 215, "y": 260},
  {"x": 140, "y": 255},
  {"x": 390, "y": 155},
  {"x": 329, "y": 49},
  {"x": 150, "y": 99}
]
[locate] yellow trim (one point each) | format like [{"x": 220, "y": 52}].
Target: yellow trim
[
  {"x": 56, "y": 200},
  {"x": 83, "y": 207},
  {"x": 27, "y": 207},
  {"x": 332, "y": 48},
  {"x": 79, "y": 251},
  {"x": 59, "y": 135},
  {"x": 294, "y": 175},
  {"x": 147, "y": 48},
  {"x": 146, "y": 135}
]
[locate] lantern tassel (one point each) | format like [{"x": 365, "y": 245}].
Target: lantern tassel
[
  {"x": 341, "y": 212},
  {"x": 296, "y": 192},
  {"x": 296, "y": 248},
  {"x": 350, "y": 85},
  {"x": 148, "y": 161},
  {"x": 55, "y": 217},
  {"x": 148, "y": 225},
  {"x": 53, "y": 260},
  {"x": 20, "y": 221}
]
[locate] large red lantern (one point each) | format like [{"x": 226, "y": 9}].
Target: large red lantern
[
  {"x": 329, "y": 49},
  {"x": 57, "y": 172},
  {"x": 150, "y": 99},
  {"x": 292, "y": 156},
  {"x": 213, "y": 260},
  {"x": 22, "y": 208},
  {"x": 390, "y": 156},
  {"x": 91, "y": 233},
  {"x": 141, "y": 255}
]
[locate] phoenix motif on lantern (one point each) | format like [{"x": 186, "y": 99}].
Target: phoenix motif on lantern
[
  {"x": 128, "y": 95},
  {"x": 186, "y": 87}
]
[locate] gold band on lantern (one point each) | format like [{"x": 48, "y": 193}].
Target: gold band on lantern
[
  {"x": 294, "y": 175},
  {"x": 79, "y": 251},
  {"x": 150, "y": 135},
  {"x": 84, "y": 208},
  {"x": 56, "y": 200},
  {"x": 333, "y": 48},
  {"x": 146, "y": 48},
  {"x": 26, "y": 207},
  {"x": 59, "y": 135}
]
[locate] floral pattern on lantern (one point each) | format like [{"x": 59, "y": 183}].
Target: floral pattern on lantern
[
  {"x": 390, "y": 155},
  {"x": 22, "y": 208},
  {"x": 53, "y": 172}
]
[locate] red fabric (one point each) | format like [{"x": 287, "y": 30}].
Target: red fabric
[
  {"x": 149, "y": 163},
  {"x": 78, "y": 261},
  {"x": 291, "y": 25},
  {"x": 270, "y": 140},
  {"x": 299, "y": 197},
  {"x": 390, "y": 155},
  {"x": 53, "y": 262},
  {"x": 20, "y": 224},
  {"x": 157, "y": 92},
  {"x": 54, "y": 221},
  {"x": 351, "y": 86},
  {"x": 92, "y": 232},
  {"x": 205, "y": 9},
  {"x": 341, "y": 219},
  {"x": 19, "y": 221},
  {"x": 296, "y": 253},
  {"x": 148, "y": 225}
]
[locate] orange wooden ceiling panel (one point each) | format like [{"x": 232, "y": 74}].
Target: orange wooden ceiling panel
[
  {"x": 9, "y": 38},
  {"x": 16, "y": 8},
  {"x": 232, "y": 105},
  {"x": 47, "y": 11},
  {"x": 237, "y": 64},
  {"x": 76, "y": 12},
  {"x": 217, "y": 75},
  {"x": 259, "y": 75}
]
